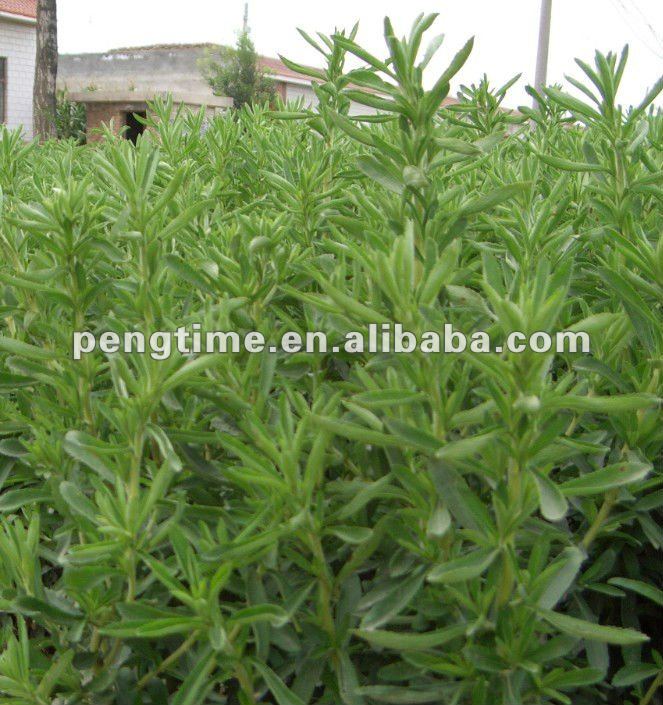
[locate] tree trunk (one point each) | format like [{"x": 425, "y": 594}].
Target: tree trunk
[{"x": 46, "y": 70}]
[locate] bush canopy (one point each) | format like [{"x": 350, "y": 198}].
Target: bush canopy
[{"x": 474, "y": 529}]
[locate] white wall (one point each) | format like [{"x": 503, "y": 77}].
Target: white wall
[
  {"x": 18, "y": 45},
  {"x": 295, "y": 92}
]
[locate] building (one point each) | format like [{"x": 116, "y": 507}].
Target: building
[
  {"x": 18, "y": 39},
  {"x": 117, "y": 82},
  {"x": 293, "y": 86}
]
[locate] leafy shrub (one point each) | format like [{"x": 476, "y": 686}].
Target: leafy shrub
[
  {"x": 235, "y": 72},
  {"x": 70, "y": 119},
  {"x": 474, "y": 529}
]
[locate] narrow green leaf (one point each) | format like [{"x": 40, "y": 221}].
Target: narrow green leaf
[
  {"x": 77, "y": 501},
  {"x": 552, "y": 502},
  {"x": 374, "y": 169},
  {"x": 12, "y": 500},
  {"x": 634, "y": 673},
  {"x": 593, "y": 632},
  {"x": 31, "y": 352},
  {"x": 272, "y": 614},
  {"x": 563, "y": 577},
  {"x": 464, "y": 568},
  {"x": 409, "y": 641},
  {"x": 197, "y": 684},
  {"x": 391, "y": 604},
  {"x": 489, "y": 200},
  {"x": 282, "y": 694},
  {"x": 651, "y": 592},
  {"x": 608, "y": 478}
]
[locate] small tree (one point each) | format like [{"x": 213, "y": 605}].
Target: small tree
[{"x": 236, "y": 73}]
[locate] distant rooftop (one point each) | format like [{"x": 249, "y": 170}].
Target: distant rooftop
[
  {"x": 157, "y": 63},
  {"x": 167, "y": 47},
  {"x": 22, "y": 8}
]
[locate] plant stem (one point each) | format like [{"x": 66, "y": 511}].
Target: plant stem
[
  {"x": 600, "y": 519},
  {"x": 112, "y": 654},
  {"x": 325, "y": 586},
  {"x": 180, "y": 651},
  {"x": 245, "y": 682},
  {"x": 134, "y": 471},
  {"x": 656, "y": 684}
]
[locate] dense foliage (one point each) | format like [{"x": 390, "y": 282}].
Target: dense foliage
[
  {"x": 475, "y": 529},
  {"x": 236, "y": 72},
  {"x": 70, "y": 119}
]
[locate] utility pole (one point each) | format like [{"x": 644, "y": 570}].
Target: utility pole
[
  {"x": 544, "y": 44},
  {"x": 246, "y": 18}
]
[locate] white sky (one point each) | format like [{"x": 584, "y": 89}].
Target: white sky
[{"x": 505, "y": 31}]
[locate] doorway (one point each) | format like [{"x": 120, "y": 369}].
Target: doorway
[{"x": 134, "y": 126}]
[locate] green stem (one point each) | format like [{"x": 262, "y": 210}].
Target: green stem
[
  {"x": 134, "y": 470},
  {"x": 325, "y": 586},
  {"x": 167, "y": 662},
  {"x": 514, "y": 482},
  {"x": 245, "y": 682},
  {"x": 600, "y": 519},
  {"x": 112, "y": 654},
  {"x": 656, "y": 684}
]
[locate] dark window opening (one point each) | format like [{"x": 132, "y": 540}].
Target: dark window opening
[
  {"x": 3, "y": 89},
  {"x": 133, "y": 125}
]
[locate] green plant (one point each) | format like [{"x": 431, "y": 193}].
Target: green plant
[
  {"x": 70, "y": 119},
  {"x": 472, "y": 529},
  {"x": 480, "y": 107},
  {"x": 236, "y": 72}
]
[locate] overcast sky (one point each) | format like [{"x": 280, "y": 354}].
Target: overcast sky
[{"x": 505, "y": 30}]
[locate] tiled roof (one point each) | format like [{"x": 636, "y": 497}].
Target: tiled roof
[
  {"x": 280, "y": 69},
  {"x": 26, "y": 8}
]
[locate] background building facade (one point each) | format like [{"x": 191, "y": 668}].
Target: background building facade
[{"x": 17, "y": 62}]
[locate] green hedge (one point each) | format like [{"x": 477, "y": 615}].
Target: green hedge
[{"x": 476, "y": 529}]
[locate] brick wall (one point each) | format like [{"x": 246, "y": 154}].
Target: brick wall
[
  {"x": 18, "y": 45},
  {"x": 102, "y": 114}
]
